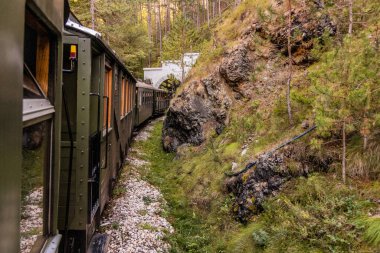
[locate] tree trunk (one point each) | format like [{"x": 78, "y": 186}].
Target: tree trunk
[
  {"x": 183, "y": 6},
  {"x": 351, "y": 18},
  {"x": 344, "y": 152},
  {"x": 92, "y": 11},
  {"x": 159, "y": 26},
  {"x": 213, "y": 8},
  {"x": 290, "y": 63},
  {"x": 167, "y": 18},
  {"x": 174, "y": 11},
  {"x": 149, "y": 30},
  {"x": 198, "y": 16},
  {"x": 219, "y": 8},
  {"x": 208, "y": 12}
]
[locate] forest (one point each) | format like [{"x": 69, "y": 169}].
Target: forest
[{"x": 143, "y": 33}]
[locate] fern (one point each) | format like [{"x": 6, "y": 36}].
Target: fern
[{"x": 372, "y": 230}]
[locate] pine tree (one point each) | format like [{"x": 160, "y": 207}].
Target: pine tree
[{"x": 345, "y": 83}]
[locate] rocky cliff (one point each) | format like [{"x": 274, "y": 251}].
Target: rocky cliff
[
  {"x": 253, "y": 69},
  {"x": 253, "y": 64}
]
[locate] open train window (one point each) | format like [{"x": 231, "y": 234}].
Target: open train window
[
  {"x": 40, "y": 45},
  {"x": 30, "y": 86},
  {"x": 107, "y": 107},
  {"x": 39, "y": 58}
]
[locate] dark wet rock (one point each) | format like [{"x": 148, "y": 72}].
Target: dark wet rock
[
  {"x": 306, "y": 25},
  {"x": 252, "y": 188},
  {"x": 236, "y": 67},
  {"x": 201, "y": 107}
]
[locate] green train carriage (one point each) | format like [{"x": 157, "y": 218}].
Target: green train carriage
[{"x": 100, "y": 97}]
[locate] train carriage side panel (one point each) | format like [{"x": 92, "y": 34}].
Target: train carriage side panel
[
  {"x": 11, "y": 50},
  {"x": 52, "y": 10}
]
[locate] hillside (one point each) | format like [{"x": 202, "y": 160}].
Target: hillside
[{"x": 254, "y": 87}]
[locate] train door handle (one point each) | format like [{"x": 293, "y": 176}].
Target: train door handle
[{"x": 92, "y": 180}]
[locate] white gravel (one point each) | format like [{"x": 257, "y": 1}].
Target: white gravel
[
  {"x": 31, "y": 223},
  {"x": 134, "y": 219}
]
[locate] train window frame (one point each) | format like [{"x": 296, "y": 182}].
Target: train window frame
[
  {"x": 39, "y": 54},
  {"x": 132, "y": 96},
  {"x": 122, "y": 98},
  {"x": 108, "y": 92},
  {"x": 127, "y": 109}
]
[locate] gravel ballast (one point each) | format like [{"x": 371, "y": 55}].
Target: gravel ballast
[{"x": 133, "y": 219}]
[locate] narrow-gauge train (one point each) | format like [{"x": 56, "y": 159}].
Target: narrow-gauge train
[{"x": 69, "y": 106}]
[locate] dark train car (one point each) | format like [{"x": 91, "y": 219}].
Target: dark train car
[
  {"x": 150, "y": 102},
  {"x": 99, "y": 92},
  {"x": 161, "y": 101},
  {"x": 144, "y": 102},
  {"x": 30, "y": 95}
]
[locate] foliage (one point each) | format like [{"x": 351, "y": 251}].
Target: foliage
[
  {"x": 364, "y": 164},
  {"x": 127, "y": 37},
  {"x": 32, "y": 170},
  {"x": 312, "y": 215},
  {"x": 171, "y": 84},
  {"x": 345, "y": 84},
  {"x": 372, "y": 229},
  {"x": 143, "y": 32},
  {"x": 191, "y": 235},
  {"x": 183, "y": 37}
]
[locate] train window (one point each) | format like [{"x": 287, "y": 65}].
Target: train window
[
  {"x": 131, "y": 96},
  {"x": 127, "y": 96},
  {"x": 30, "y": 86},
  {"x": 37, "y": 54},
  {"x": 34, "y": 187},
  {"x": 107, "y": 93},
  {"x": 122, "y": 97}
]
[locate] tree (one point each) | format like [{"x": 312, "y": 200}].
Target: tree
[
  {"x": 290, "y": 62},
  {"x": 346, "y": 87}
]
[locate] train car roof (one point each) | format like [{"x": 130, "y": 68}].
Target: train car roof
[
  {"x": 74, "y": 24},
  {"x": 147, "y": 86}
]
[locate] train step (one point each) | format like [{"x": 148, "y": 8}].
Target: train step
[{"x": 99, "y": 243}]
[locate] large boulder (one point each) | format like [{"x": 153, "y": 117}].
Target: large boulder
[
  {"x": 201, "y": 107},
  {"x": 236, "y": 67}
]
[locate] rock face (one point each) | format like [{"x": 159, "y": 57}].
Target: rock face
[
  {"x": 270, "y": 173},
  {"x": 202, "y": 106},
  {"x": 236, "y": 67},
  {"x": 306, "y": 26}
]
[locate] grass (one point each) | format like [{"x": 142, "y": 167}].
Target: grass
[
  {"x": 191, "y": 233},
  {"x": 316, "y": 214},
  {"x": 147, "y": 226},
  {"x": 32, "y": 170}
]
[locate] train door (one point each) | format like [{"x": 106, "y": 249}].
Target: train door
[{"x": 95, "y": 137}]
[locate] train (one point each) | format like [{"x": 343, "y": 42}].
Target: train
[{"x": 69, "y": 107}]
